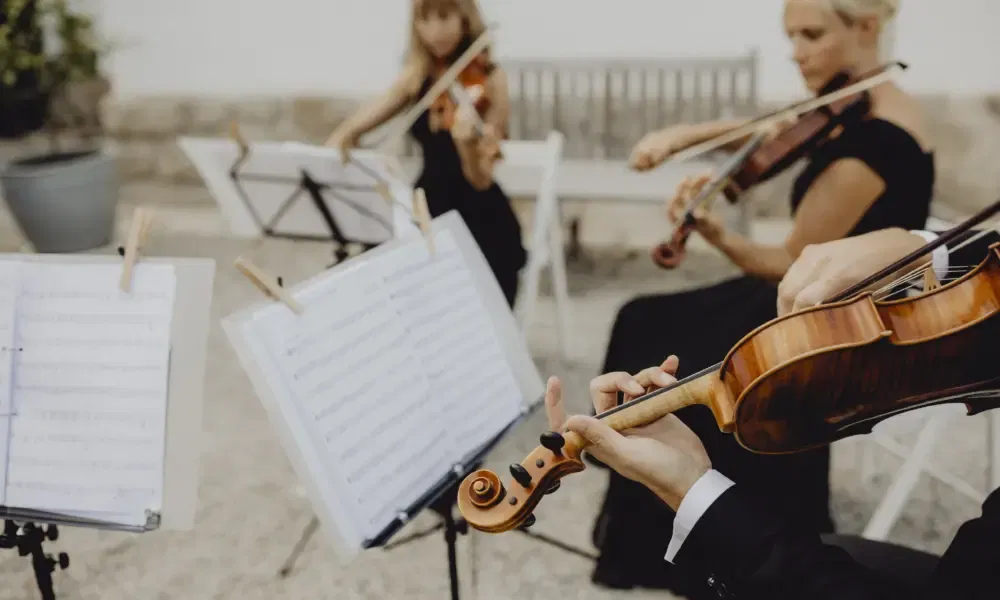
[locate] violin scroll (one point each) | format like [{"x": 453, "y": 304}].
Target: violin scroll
[
  {"x": 490, "y": 506},
  {"x": 670, "y": 254}
]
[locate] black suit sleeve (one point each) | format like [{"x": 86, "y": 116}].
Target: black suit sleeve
[{"x": 754, "y": 553}]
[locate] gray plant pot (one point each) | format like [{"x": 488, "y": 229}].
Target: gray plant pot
[{"x": 65, "y": 201}]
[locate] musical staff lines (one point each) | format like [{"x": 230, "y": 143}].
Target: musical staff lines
[
  {"x": 394, "y": 373},
  {"x": 88, "y": 431},
  {"x": 471, "y": 381},
  {"x": 349, "y": 371}
]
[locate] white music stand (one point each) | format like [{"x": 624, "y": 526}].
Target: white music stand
[
  {"x": 189, "y": 326},
  {"x": 299, "y": 191}
]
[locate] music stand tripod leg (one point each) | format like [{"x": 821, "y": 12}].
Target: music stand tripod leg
[
  {"x": 27, "y": 540},
  {"x": 307, "y": 533}
]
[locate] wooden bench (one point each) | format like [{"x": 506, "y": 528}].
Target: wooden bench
[{"x": 604, "y": 107}]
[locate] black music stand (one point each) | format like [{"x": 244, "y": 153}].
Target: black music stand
[
  {"x": 249, "y": 179},
  {"x": 442, "y": 500},
  {"x": 27, "y": 539}
]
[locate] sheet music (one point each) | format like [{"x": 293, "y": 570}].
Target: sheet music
[
  {"x": 348, "y": 369},
  {"x": 392, "y": 373},
  {"x": 453, "y": 337},
  {"x": 10, "y": 285},
  {"x": 90, "y": 394}
]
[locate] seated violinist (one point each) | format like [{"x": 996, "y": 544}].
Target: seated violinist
[
  {"x": 740, "y": 547},
  {"x": 458, "y": 162},
  {"x": 875, "y": 173}
]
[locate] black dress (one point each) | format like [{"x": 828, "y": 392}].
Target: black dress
[
  {"x": 488, "y": 213},
  {"x": 634, "y": 527}
]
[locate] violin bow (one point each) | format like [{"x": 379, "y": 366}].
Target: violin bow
[
  {"x": 883, "y": 74},
  {"x": 717, "y": 183},
  {"x": 439, "y": 87}
]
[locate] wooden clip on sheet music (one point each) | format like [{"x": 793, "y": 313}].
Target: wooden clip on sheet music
[
  {"x": 141, "y": 221},
  {"x": 422, "y": 215},
  {"x": 267, "y": 284}
]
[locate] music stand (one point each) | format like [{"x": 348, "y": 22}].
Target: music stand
[
  {"x": 27, "y": 525},
  {"x": 317, "y": 462},
  {"x": 296, "y": 191}
]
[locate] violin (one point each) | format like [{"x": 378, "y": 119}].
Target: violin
[
  {"x": 802, "y": 381},
  {"x": 759, "y": 160},
  {"x": 469, "y": 89}
]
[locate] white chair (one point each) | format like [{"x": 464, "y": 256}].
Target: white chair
[
  {"x": 917, "y": 460},
  {"x": 539, "y": 161}
]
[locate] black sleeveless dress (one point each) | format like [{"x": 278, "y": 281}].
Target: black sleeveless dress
[
  {"x": 634, "y": 527},
  {"x": 487, "y": 213}
]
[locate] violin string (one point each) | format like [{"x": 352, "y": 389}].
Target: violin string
[
  {"x": 912, "y": 285},
  {"x": 918, "y": 271}
]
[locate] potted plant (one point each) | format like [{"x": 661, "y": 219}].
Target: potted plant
[{"x": 63, "y": 200}]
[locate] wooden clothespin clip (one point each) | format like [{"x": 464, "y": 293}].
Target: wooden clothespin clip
[
  {"x": 141, "y": 222},
  {"x": 271, "y": 286},
  {"x": 422, "y": 214},
  {"x": 241, "y": 142},
  {"x": 930, "y": 280},
  {"x": 383, "y": 189}
]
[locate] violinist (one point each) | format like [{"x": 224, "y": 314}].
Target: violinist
[
  {"x": 736, "y": 546},
  {"x": 875, "y": 171},
  {"x": 458, "y": 160}
]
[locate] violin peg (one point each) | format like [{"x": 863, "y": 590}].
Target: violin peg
[
  {"x": 528, "y": 522},
  {"x": 553, "y": 441},
  {"x": 520, "y": 474},
  {"x": 552, "y": 488}
]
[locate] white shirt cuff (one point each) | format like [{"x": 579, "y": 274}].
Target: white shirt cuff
[
  {"x": 939, "y": 258},
  {"x": 702, "y": 494}
]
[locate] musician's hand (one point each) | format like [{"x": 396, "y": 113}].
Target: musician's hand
[
  {"x": 463, "y": 130},
  {"x": 343, "y": 139},
  {"x": 774, "y": 128},
  {"x": 706, "y": 223},
  {"x": 665, "y": 456},
  {"x": 656, "y": 146},
  {"x": 823, "y": 270}
]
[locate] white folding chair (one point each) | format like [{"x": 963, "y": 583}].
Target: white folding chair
[
  {"x": 917, "y": 460},
  {"x": 546, "y": 247}
]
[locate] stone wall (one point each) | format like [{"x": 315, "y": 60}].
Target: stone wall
[{"x": 966, "y": 131}]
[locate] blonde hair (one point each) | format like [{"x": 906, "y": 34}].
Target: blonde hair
[
  {"x": 417, "y": 55},
  {"x": 852, "y": 10}
]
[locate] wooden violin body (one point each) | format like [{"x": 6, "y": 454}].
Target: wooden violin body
[
  {"x": 759, "y": 160},
  {"x": 799, "y": 382},
  {"x": 470, "y": 82}
]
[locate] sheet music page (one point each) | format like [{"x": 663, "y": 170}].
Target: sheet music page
[
  {"x": 391, "y": 376},
  {"x": 471, "y": 381},
  {"x": 348, "y": 369},
  {"x": 10, "y": 285},
  {"x": 89, "y": 432}
]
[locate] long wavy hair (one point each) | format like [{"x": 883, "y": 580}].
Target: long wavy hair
[{"x": 473, "y": 26}]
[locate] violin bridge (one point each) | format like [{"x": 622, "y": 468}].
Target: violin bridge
[{"x": 930, "y": 280}]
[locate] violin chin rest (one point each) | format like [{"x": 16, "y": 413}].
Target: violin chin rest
[{"x": 667, "y": 256}]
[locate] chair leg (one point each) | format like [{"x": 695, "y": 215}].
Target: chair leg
[
  {"x": 892, "y": 504},
  {"x": 529, "y": 301},
  {"x": 560, "y": 285}
]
